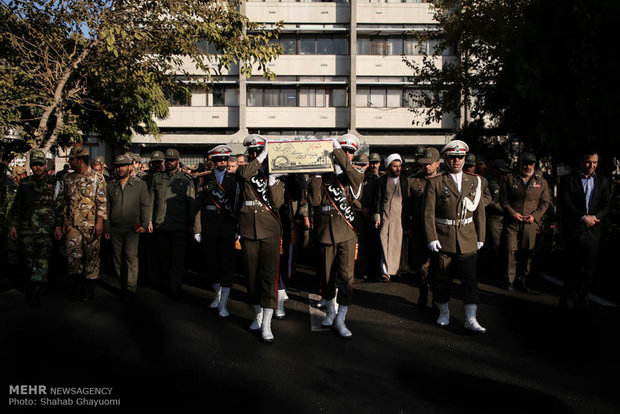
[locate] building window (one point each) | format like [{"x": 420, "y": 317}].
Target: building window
[
  {"x": 307, "y": 46},
  {"x": 302, "y": 96},
  {"x": 288, "y": 44},
  {"x": 219, "y": 96},
  {"x": 314, "y": 44},
  {"x": 177, "y": 98},
  {"x": 396, "y": 46},
  {"x": 379, "y": 97},
  {"x": 312, "y": 97},
  {"x": 324, "y": 45}
]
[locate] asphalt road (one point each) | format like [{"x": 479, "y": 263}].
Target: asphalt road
[{"x": 156, "y": 354}]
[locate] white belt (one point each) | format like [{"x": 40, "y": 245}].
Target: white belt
[
  {"x": 454, "y": 222},
  {"x": 252, "y": 203},
  {"x": 211, "y": 207}
]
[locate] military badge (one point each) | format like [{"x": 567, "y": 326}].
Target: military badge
[
  {"x": 445, "y": 194},
  {"x": 472, "y": 190},
  {"x": 210, "y": 185}
]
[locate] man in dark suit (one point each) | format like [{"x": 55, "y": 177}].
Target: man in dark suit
[{"x": 584, "y": 199}]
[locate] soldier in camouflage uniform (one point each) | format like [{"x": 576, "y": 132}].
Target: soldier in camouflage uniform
[
  {"x": 36, "y": 217},
  {"x": 85, "y": 211}
]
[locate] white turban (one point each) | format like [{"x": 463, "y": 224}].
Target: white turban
[{"x": 392, "y": 157}]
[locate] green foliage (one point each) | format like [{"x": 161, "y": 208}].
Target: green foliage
[
  {"x": 540, "y": 72},
  {"x": 76, "y": 67}
]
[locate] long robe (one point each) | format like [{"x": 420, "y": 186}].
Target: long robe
[{"x": 391, "y": 231}]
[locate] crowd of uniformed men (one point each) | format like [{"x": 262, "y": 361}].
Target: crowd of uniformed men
[{"x": 370, "y": 218}]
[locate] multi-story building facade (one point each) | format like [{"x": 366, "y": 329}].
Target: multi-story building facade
[{"x": 341, "y": 71}]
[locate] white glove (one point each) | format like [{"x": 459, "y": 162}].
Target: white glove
[
  {"x": 198, "y": 237},
  {"x": 337, "y": 169},
  {"x": 263, "y": 155},
  {"x": 273, "y": 179},
  {"x": 336, "y": 143},
  {"x": 434, "y": 246},
  {"x": 480, "y": 244}
]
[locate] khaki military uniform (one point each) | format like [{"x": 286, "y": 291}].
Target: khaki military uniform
[
  {"x": 529, "y": 197},
  {"x": 85, "y": 203},
  {"x": 457, "y": 233},
  {"x": 147, "y": 248},
  {"x": 126, "y": 208},
  {"x": 335, "y": 235},
  {"x": 35, "y": 213},
  {"x": 260, "y": 230},
  {"x": 419, "y": 255},
  {"x": 173, "y": 200},
  {"x": 490, "y": 255}
]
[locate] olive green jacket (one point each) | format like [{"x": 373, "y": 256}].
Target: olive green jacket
[
  {"x": 173, "y": 201},
  {"x": 127, "y": 206}
]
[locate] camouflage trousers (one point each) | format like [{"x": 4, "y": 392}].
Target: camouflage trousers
[
  {"x": 83, "y": 252},
  {"x": 36, "y": 250}
]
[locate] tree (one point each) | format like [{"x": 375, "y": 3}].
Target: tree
[
  {"x": 541, "y": 72},
  {"x": 74, "y": 67}
]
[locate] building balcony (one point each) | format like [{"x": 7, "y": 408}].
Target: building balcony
[
  {"x": 397, "y": 118},
  {"x": 392, "y": 13},
  {"x": 292, "y": 12},
  {"x": 189, "y": 67},
  {"x": 374, "y": 65},
  {"x": 297, "y": 117},
  {"x": 309, "y": 65},
  {"x": 201, "y": 117}
]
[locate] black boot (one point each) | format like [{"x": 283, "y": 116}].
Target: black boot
[
  {"x": 89, "y": 290},
  {"x": 423, "y": 299},
  {"x": 37, "y": 294},
  {"x": 77, "y": 286}
]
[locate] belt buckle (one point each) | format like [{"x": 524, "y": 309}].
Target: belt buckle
[{"x": 457, "y": 222}]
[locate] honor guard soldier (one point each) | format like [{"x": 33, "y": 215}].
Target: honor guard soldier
[
  {"x": 332, "y": 194},
  {"x": 173, "y": 202},
  {"x": 129, "y": 214},
  {"x": 35, "y": 218},
  {"x": 525, "y": 198},
  {"x": 85, "y": 211},
  {"x": 216, "y": 226},
  {"x": 260, "y": 230},
  {"x": 455, "y": 230}
]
